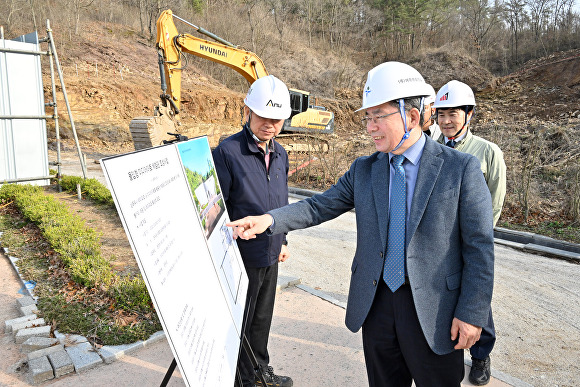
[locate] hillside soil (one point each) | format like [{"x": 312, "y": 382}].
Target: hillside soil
[
  {"x": 110, "y": 82},
  {"x": 115, "y": 78}
]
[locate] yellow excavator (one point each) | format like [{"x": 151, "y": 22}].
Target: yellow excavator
[{"x": 306, "y": 117}]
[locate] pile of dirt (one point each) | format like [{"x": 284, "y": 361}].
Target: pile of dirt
[
  {"x": 545, "y": 89},
  {"x": 448, "y": 62}
]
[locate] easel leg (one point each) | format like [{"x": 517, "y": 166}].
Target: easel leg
[
  {"x": 169, "y": 373},
  {"x": 257, "y": 367},
  {"x": 245, "y": 343}
]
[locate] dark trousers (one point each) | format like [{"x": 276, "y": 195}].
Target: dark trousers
[
  {"x": 482, "y": 348},
  {"x": 259, "y": 311},
  {"x": 396, "y": 352}
]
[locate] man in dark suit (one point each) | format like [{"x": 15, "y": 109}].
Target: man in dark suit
[{"x": 422, "y": 274}]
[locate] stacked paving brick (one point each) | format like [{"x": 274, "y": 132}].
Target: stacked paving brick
[
  {"x": 52, "y": 357},
  {"x": 46, "y": 356}
]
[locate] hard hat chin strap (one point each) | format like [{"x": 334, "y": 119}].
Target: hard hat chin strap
[
  {"x": 247, "y": 126},
  {"x": 464, "y": 124},
  {"x": 404, "y": 116}
]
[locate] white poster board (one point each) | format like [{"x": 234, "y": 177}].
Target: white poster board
[{"x": 192, "y": 267}]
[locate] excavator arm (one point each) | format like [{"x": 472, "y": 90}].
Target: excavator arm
[
  {"x": 152, "y": 131},
  {"x": 171, "y": 44}
]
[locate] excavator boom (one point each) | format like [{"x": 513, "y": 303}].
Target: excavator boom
[
  {"x": 151, "y": 131},
  {"x": 171, "y": 44}
]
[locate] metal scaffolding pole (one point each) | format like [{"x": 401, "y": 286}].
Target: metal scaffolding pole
[
  {"x": 53, "y": 58},
  {"x": 53, "y": 104},
  {"x": 55, "y": 55}
]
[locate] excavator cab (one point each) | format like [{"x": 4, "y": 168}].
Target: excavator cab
[
  {"x": 305, "y": 117},
  {"x": 299, "y": 102}
]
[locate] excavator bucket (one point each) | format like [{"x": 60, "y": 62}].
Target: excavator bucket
[{"x": 148, "y": 132}]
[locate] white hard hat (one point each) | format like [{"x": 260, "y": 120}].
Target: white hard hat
[
  {"x": 454, "y": 94},
  {"x": 268, "y": 97},
  {"x": 431, "y": 97},
  {"x": 391, "y": 81}
]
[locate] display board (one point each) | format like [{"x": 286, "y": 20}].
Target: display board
[{"x": 170, "y": 203}]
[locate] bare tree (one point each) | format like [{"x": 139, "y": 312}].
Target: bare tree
[
  {"x": 252, "y": 21},
  {"x": 539, "y": 16},
  {"x": 13, "y": 7},
  {"x": 281, "y": 11},
  {"x": 515, "y": 15},
  {"x": 33, "y": 11},
  {"x": 481, "y": 18},
  {"x": 308, "y": 13},
  {"x": 78, "y": 6}
]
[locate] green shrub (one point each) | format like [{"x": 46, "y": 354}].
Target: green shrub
[
  {"x": 131, "y": 294},
  {"x": 69, "y": 183},
  {"x": 80, "y": 251},
  {"x": 77, "y": 244},
  {"x": 91, "y": 187}
]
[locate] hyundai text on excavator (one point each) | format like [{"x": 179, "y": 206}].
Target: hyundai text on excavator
[{"x": 306, "y": 117}]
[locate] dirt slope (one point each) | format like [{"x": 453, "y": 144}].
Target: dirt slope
[
  {"x": 546, "y": 89},
  {"x": 446, "y": 63},
  {"x": 112, "y": 77}
]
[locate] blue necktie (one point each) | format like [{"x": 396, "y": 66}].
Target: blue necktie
[
  {"x": 451, "y": 143},
  {"x": 394, "y": 271}
]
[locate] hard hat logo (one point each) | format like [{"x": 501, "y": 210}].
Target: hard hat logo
[
  {"x": 367, "y": 91},
  {"x": 454, "y": 94},
  {"x": 274, "y": 104},
  {"x": 412, "y": 79}
]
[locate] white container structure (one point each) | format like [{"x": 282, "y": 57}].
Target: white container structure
[{"x": 23, "y": 138}]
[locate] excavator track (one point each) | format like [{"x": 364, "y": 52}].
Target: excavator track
[{"x": 302, "y": 143}]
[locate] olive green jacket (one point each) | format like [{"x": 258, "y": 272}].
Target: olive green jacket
[{"x": 492, "y": 165}]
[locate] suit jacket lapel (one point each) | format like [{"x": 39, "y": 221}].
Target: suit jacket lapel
[
  {"x": 380, "y": 184},
  {"x": 427, "y": 175}
]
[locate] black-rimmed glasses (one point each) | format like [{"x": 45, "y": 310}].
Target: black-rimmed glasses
[{"x": 368, "y": 119}]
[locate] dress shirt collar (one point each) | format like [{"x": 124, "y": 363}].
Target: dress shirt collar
[
  {"x": 458, "y": 139},
  {"x": 414, "y": 152}
]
